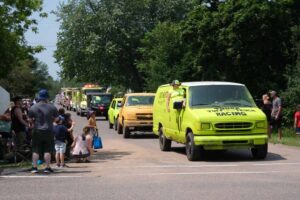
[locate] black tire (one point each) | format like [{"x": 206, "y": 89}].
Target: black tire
[
  {"x": 110, "y": 125},
  {"x": 261, "y": 152},
  {"x": 164, "y": 143},
  {"x": 77, "y": 112},
  {"x": 106, "y": 117},
  {"x": 120, "y": 128},
  {"x": 193, "y": 152},
  {"x": 116, "y": 124},
  {"x": 81, "y": 113},
  {"x": 126, "y": 132}
]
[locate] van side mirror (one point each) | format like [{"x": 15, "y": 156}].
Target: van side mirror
[{"x": 178, "y": 105}]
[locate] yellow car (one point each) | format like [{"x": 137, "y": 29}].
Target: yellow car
[
  {"x": 113, "y": 112},
  {"x": 210, "y": 116},
  {"x": 135, "y": 113}
]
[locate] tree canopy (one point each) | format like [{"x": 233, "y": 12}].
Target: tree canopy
[{"x": 15, "y": 20}]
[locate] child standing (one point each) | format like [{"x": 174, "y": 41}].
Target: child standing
[
  {"x": 297, "y": 121},
  {"x": 60, "y": 132},
  {"x": 92, "y": 123},
  {"x": 82, "y": 146}
]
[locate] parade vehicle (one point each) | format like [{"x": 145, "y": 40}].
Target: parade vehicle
[
  {"x": 210, "y": 116},
  {"x": 136, "y": 113},
  {"x": 85, "y": 97},
  {"x": 75, "y": 101},
  {"x": 113, "y": 112},
  {"x": 66, "y": 97},
  {"x": 100, "y": 104}
]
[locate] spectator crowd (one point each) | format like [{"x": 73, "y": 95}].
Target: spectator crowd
[{"x": 38, "y": 130}]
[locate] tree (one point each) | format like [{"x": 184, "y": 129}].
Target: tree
[
  {"x": 99, "y": 40},
  {"x": 162, "y": 52},
  {"x": 14, "y": 22},
  {"x": 28, "y": 78}
]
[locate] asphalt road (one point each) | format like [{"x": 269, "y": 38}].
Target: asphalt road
[{"x": 135, "y": 168}]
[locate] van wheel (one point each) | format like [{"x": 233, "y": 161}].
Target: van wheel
[
  {"x": 115, "y": 124},
  {"x": 126, "y": 132},
  {"x": 120, "y": 128},
  {"x": 260, "y": 152},
  {"x": 164, "y": 143},
  {"x": 110, "y": 125},
  {"x": 193, "y": 152}
]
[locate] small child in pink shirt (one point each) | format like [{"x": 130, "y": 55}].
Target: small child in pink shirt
[{"x": 82, "y": 146}]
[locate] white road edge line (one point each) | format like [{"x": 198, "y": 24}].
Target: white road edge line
[
  {"x": 8, "y": 176},
  {"x": 176, "y": 166},
  {"x": 210, "y": 173},
  {"x": 270, "y": 164}
]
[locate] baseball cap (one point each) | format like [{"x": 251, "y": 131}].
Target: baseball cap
[
  {"x": 91, "y": 112},
  {"x": 175, "y": 82},
  {"x": 43, "y": 94},
  {"x": 61, "y": 118}
]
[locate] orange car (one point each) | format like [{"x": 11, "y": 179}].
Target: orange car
[{"x": 136, "y": 113}]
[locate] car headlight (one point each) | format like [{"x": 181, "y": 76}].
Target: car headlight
[
  {"x": 260, "y": 124},
  {"x": 205, "y": 126}
]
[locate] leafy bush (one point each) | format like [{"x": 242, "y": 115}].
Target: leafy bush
[{"x": 291, "y": 100}]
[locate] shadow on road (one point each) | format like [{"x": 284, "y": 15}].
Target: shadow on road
[
  {"x": 141, "y": 135},
  {"x": 103, "y": 155},
  {"x": 101, "y": 119},
  {"x": 230, "y": 155}
]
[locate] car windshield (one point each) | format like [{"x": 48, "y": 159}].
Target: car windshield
[
  {"x": 140, "y": 100},
  {"x": 102, "y": 99},
  {"x": 220, "y": 95}
]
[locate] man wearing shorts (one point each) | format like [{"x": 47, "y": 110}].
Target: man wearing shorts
[
  {"x": 276, "y": 114},
  {"x": 41, "y": 116}
]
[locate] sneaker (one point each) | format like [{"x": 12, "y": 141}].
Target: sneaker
[
  {"x": 34, "y": 170},
  {"x": 57, "y": 166},
  {"x": 63, "y": 165},
  {"x": 48, "y": 170}
]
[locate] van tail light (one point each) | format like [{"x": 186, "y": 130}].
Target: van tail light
[{"x": 101, "y": 108}]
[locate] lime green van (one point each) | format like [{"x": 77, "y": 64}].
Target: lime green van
[
  {"x": 113, "y": 112},
  {"x": 210, "y": 116}
]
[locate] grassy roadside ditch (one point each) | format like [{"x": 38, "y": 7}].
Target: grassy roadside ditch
[
  {"x": 288, "y": 138},
  {"x": 6, "y": 165}
]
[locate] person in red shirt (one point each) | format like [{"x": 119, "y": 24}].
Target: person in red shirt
[{"x": 297, "y": 121}]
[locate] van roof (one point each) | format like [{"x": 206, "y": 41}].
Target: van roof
[{"x": 201, "y": 83}]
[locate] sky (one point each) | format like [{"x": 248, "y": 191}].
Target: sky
[{"x": 46, "y": 36}]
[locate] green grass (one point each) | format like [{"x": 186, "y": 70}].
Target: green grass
[
  {"x": 4, "y": 165},
  {"x": 288, "y": 137}
]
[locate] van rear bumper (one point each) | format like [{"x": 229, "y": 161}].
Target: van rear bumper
[{"x": 227, "y": 142}]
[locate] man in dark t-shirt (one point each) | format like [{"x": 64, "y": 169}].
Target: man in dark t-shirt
[
  {"x": 41, "y": 116},
  {"x": 276, "y": 114}
]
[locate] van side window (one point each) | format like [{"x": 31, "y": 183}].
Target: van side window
[{"x": 113, "y": 104}]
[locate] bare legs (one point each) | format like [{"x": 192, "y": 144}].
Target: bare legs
[
  {"x": 60, "y": 159},
  {"x": 35, "y": 158}
]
